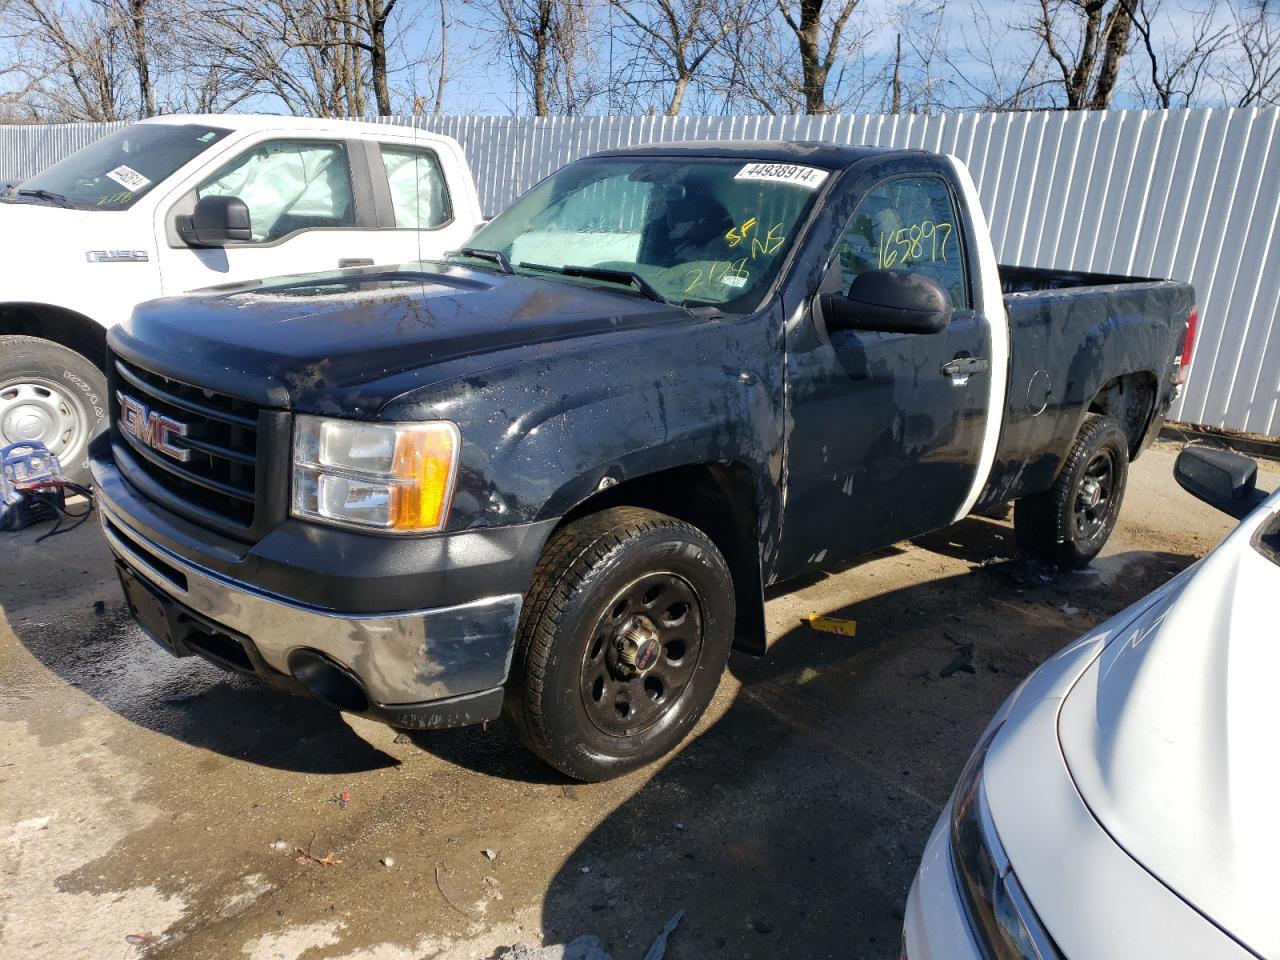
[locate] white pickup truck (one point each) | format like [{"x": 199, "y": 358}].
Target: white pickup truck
[{"x": 173, "y": 204}]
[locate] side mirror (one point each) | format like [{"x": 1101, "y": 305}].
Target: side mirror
[
  {"x": 891, "y": 301},
  {"x": 1221, "y": 478},
  {"x": 216, "y": 222}
]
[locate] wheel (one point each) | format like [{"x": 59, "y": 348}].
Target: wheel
[
  {"x": 1070, "y": 522},
  {"x": 625, "y": 633},
  {"x": 51, "y": 394}
]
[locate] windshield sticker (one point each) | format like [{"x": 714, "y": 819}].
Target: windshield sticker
[
  {"x": 808, "y": 177},
  {"x": 209, "y": 136},
  {"x": 128, "y": 178}
]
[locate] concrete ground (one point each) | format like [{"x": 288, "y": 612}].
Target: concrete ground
[{"x": 153, "y": 807}]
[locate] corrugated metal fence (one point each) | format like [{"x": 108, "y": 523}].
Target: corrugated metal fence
[{"x": 1188, "y": 194}]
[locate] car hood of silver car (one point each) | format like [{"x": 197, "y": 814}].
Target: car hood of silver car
[{"x": 1172, "y": 736}]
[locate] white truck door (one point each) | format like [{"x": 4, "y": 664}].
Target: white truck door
[
  {"x": 311, "y": 209},
  {"x": 425, "y": 202}
]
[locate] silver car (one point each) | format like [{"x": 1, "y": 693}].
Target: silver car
[{"x": 1123, "y": 801}]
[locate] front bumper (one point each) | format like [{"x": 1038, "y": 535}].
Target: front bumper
[
  {"x": 434, "y": 666},
  {"x": 936, "y": 926}
]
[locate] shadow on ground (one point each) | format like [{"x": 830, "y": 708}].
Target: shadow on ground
[
  {"x": 101, "y": 652},
  {"x": 792, "y": 827}
]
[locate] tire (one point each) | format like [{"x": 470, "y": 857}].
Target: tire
[
  {"x": 1070, "y": 523},
  {"x": 627, "y": 607},
  {"x": 51, "y": 394}
]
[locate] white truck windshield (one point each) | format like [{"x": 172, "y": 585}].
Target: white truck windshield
[
  {"x": 114, "y": 172},
  {"x": 693, "y": 231}
]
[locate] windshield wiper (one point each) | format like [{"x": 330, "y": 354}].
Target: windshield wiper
[
  {"x": 48, "y": 196},
  {"x": 493, "y": 256},
  {"x": 628, "y": 277}
]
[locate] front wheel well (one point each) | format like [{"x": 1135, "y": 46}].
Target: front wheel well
[
  {"x": 719, "y": 499},
  {"x": 1129, "y": 400},
  {"x": 58, "y": 325}
]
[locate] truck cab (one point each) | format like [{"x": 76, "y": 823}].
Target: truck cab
[
  {"x": 173, "y": 204},
  {"x": 550, "y": 476}
]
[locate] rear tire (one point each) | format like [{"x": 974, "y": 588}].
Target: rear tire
[
  {"x": 625, "y": 633},
  {"x": 1069, "y": 523},
  {"x": 54, "y": 395}
]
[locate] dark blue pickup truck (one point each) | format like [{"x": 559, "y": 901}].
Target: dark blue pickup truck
[{"x": 552, "y": 475}]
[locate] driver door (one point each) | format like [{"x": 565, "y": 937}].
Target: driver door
[
  {"x": 885, "y": 441},
  {"x": 308, "y": 211}
]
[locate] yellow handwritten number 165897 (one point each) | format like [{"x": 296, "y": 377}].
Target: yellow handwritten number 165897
[{"x": 925, "y": 241}]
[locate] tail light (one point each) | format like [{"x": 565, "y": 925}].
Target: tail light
[{"x": 1183, "y": 360}]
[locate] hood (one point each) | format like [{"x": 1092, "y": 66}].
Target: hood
[
  {"x": 352, "y": 341},
  {"x": 1171, "y": 737},
  {"x": 24, "y": 225},
  {"x": 39, "y": 241}
]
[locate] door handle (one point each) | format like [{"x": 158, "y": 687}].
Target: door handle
[
  {"x": 962, "y": 368},
  {"x": 346, "y": 262}
]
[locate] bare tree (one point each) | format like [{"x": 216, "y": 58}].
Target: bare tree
[
  {"x": 1254, "y": 77},
  {"x": 913, "y": 77},
  {"x": 548, "y": 45},
  {"x": 69, "y": 61},
  {"x": 1087, "y": 40},
  {"x": 819, "y": 27},
  {"x": 672, "y": 39},
  {"x": 443, "y": 73},
  {"x": 1177, "y": 64},
  {"x": 301, "y": 52}
]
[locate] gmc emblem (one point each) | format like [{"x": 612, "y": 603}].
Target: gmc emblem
[{"x": 151, "y": 428}]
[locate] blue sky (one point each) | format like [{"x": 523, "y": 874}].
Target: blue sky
[{"x": 482, "y": 83}]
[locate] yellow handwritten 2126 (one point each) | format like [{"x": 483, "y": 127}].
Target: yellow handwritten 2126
[
  {"x": 919, "y": 242},
  {"x": 733, "y": 274}
]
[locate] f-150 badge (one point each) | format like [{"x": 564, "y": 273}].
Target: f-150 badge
[{"x": 116, "y": 256}]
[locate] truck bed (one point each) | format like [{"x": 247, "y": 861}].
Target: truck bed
[
  {"x": 1037, "y": 280},
  {"x": 1072, "y": 333}
]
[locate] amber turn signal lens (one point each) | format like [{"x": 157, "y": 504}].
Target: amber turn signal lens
[{"x": 425, "y": 461}]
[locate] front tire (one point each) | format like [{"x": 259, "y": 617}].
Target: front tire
[
  {"x": 53, "y": 395},
  {"x": 626, "y": 630},
  {"x": 1069, "y": 524}
]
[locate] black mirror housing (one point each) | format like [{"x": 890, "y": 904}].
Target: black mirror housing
[
  {"x": 1221, "y": 478},
  {"x": 216, "y": 222},
  {"x": 890, "y": 301}
]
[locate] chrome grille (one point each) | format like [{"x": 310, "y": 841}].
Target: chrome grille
[{"x": 219, "y": 476}]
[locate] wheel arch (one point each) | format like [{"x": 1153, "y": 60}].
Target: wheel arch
[
  {"x": 720, "y": 500},
  {"x": 1130, "y": 400},
  {"x": 59, "y": 325}
]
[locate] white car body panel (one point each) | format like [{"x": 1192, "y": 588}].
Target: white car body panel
[
  {"x": 1171, "y": 739},
  {"x": 1132, "y": 777},
  {"x": 44, "y": 248}
]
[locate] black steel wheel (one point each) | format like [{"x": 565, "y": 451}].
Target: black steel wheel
[
  {"x": 643, "y": 654},
  {"x": 624, "y": 636},
  {"x": 1070, "y": 522},
  {"x": 1093, "y": 505}
]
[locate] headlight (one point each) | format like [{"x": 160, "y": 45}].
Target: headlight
[
  {"x": 396, "y": 477},
  {"x": 1002, "y": 919}
]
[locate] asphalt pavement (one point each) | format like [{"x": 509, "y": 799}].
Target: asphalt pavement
[{"x": 155, "y": 807}]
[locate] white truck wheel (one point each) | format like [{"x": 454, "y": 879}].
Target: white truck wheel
[{"x": 51, "y": 394}]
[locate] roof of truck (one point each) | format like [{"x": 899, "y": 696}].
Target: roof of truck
[
  {"x": 262, "y": 121},
  {"x": 818, "y": 153}
]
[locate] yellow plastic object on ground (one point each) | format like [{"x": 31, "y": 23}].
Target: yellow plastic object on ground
[{"x": 846, "y": 628}]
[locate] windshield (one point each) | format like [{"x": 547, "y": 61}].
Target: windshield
[
  {"x": 114, "y": 172},
  {"x": 695, "y": 232}
]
